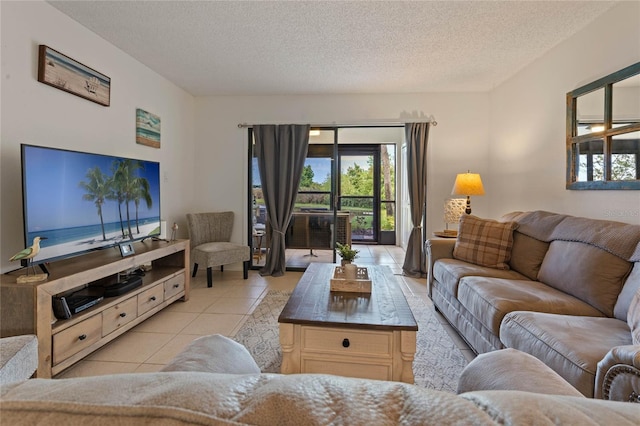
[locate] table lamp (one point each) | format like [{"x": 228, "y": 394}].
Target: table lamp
[
  {"x": 453, "y": 209},
  {"x": 468, "y": 184}
]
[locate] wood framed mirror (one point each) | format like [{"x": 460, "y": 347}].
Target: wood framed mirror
[{"x": 603, "y": 132}]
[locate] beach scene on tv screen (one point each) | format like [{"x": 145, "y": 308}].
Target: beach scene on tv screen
[{"x": 81, "y": 201}]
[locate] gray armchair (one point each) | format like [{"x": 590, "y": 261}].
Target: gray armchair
[{"x": 210, "y": 234}]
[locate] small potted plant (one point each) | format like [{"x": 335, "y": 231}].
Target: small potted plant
[{"x": 346, "y": 253}]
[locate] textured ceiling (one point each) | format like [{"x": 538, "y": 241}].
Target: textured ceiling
[{"x": 322, "y": 47}]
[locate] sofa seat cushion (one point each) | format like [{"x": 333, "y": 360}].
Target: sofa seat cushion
[
  {"x": 585, "y": 271},
  {"x": 484, "y": 242},
  {"x": 571, "y": 345},
  {"x": 490, "y": 299},
  {"x": 448, "y": 272}
]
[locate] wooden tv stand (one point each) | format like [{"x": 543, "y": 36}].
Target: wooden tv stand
[{"x": 27, "y": 308}]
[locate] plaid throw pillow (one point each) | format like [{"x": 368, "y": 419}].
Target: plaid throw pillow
[{"x": 484, "y": 242}]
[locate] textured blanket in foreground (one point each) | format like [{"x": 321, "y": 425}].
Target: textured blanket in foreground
[
  {"x": 437, "y": 364},
  {"x": 191, "y": 398}
]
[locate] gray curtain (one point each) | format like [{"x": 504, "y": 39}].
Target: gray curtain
[
  {"x": 417, "y": 135},
  {"x": 281, "y": 151}
]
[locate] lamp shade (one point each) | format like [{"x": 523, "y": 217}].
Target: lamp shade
[{"x": 468, "y": 184}]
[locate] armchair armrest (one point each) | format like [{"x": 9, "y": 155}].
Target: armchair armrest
[
  {"x": 441, "y": 248},
  {"x": 618, "y": 375}
]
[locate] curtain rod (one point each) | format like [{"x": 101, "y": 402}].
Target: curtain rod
[{"x": 366, "y": 123}]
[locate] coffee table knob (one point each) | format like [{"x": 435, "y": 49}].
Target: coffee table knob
[{"x": 345, "y": 343}]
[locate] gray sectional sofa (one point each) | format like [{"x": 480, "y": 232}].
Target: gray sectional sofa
[
  {"x": 563, "y": 296},
  {"x": 214, "y": 381}
]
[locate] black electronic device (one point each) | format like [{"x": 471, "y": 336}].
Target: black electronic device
[
  {"x": 66, "y": 306},
  {"x": 123, "y": 286}
]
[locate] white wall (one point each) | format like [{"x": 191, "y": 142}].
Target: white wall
[
  {"x": 34, "y": 113},
  {"x": 457, "y": 143},
  {"x": 513, "y": 136},
  {"x": 527, "y": 144}
]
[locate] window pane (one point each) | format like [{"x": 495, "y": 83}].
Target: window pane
[
  {"x": 590, "y": 112},
  {"x": 590, "y": 166},
  {"x": 259, "y": 212},
  {"x": 361, "y": 209},
  {"x": 626, "y": 100},
  {"x": 624, "y": 157},
  {"x": 387, "y": 172},
  {"x": 387, "y": 216},
  {"x": 316, "y": 175},
  {"x": 312, "y": 201}
]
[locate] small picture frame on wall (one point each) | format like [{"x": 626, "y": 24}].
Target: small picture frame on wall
[
  {"x": 60, "y": 71},
  {"x": 147, "y": 128},
  {"x": 126, "y": 249}
]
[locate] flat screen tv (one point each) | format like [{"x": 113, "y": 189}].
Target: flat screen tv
[{"x": 82, "y": 201}]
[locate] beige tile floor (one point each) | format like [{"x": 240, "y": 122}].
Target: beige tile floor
[{"x": 221, "y": 309}]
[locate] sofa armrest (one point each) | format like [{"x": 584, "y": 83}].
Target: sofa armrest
[
  {"x": 440, "y": 248},
  {"x": 511, "y": 369},
  {"x": 18, "y": 358},
  {"x": 618, "y": 375}
]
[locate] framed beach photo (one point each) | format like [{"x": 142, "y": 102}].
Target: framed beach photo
[
  {"x": 147, "y": 128},
  {"x": 60, "y": 71}
]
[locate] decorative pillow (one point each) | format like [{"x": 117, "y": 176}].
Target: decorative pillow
[
  {"x": 633, "y": 318},
  {"x": 484, "y": 242}
]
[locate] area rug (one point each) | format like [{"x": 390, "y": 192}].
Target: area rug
[{"x": 437, "y": 363}]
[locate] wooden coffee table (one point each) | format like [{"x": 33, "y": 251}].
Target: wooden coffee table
[{"x": 371, "y": 336}]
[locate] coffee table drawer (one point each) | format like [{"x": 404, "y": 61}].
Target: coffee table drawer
[
  {"x": 346, "y": 368},
  {"x": 347, "y": 341}
]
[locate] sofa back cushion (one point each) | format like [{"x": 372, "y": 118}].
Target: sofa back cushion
[
  {"x": 527, "y": 255},
  {"x": 631, "y": 286},
  {"x": 484, "y": 242},
  {"x": 586, "y": 272}
]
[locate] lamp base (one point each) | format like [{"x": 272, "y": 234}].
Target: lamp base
[{"x": 468, "y": 209}]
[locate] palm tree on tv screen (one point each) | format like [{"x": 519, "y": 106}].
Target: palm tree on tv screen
[
  {"x": 141, "y": 192},
  {"x": 117, "y": 190},
  {"x": 98, "y": 188},
  {"x": 127, "y": 187}
]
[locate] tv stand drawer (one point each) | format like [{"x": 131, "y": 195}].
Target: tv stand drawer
[
  {"x": 76, "y": 338},
  {"x": 151, "y": 298},
  {"x": 119, "y": 315}
]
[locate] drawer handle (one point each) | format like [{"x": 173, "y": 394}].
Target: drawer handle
[
  {"x": 346, "y": 343},
  {"x": 82, "y": 337},
  {"x": 123, "y": 314},
  {"x": 176, "y": 285},
  {"x": 152, "y": 298}
]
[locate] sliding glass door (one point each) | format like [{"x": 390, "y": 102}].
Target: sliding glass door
[
  {"x": 367, "y": 191},
  {"x": 346, "y": 194}
]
